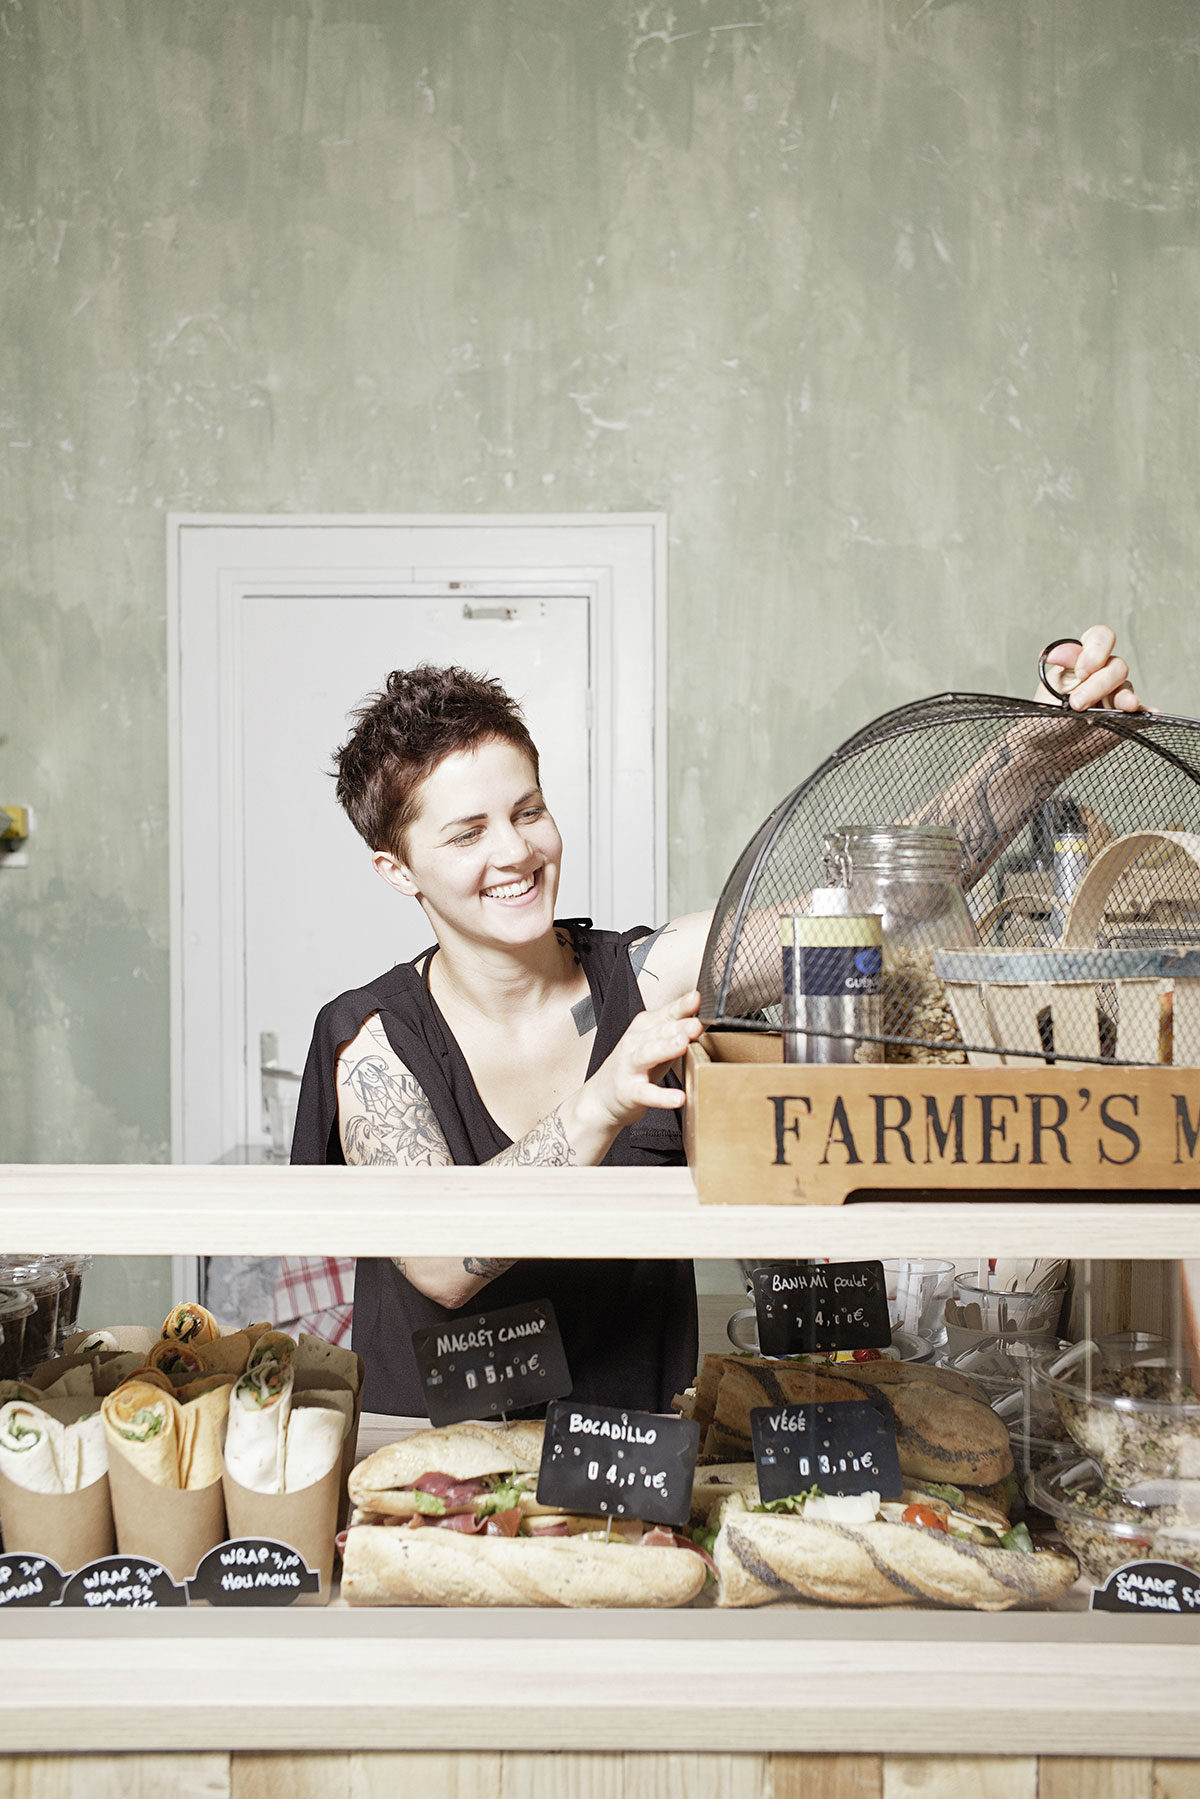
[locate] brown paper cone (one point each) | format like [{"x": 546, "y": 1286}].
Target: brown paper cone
[
  {"x": 305, "y": 1521},
  {"x": 226, "y": 1355},
  {"x": 138, "y": 1337},
  {"x": 72, "y": 1529},
  {"x": 166, "y": 1524},
  {"x": 46, "y": 1373}
]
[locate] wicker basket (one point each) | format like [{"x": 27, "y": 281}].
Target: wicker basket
[{"x": 1084, "y": 1003}]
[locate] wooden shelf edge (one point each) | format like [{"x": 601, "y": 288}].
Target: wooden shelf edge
[{"x": 119, "y": 1209}]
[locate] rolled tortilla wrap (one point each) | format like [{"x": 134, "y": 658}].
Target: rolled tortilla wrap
[
  {"x": 190, "y": 1323},
  {"x": 142, "y": 1424},
  {"x": 256, "y": 1436},
  {"x": 274, "y": 1346},
  {"x": 93, "y": 1448},
  {"x": 334, "y": 1399},
  {"x": 176, "y": 1360},
  {"x": 383, "y": 1565},
  {"x": 36, "y": 1451},
  {"x": 312, "y": 1446},
  {"x": 201, "y": 1436}
]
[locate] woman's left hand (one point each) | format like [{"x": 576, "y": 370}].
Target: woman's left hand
[{"x": 1104, "y": 678}]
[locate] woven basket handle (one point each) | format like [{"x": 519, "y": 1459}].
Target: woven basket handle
[{"x": 1096, "y": 888}]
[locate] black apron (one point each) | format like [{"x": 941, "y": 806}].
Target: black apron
[{"x": 629, "y": 1327}]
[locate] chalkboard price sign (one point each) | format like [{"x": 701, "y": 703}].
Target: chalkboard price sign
[
  {"x": 597, "y": 1459},
  {"x": 840, "y": 1447},
  {"x": 123, "y": 1583},
  {"x": 806, "y": 1307},
  {"x": 253, "y": 1571},
  {"x": 1150, "y": 1587},
  {"x": 490, "y": 1363},
  {"x": 27, "y": 1580}
]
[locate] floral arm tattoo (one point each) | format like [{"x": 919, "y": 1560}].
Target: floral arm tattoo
[{"x": 393, "y": 1124}]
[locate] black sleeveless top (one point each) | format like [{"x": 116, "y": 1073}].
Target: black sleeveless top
[{"x": 629, "y": 1327}]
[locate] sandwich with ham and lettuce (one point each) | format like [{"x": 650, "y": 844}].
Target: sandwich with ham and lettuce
[{"x": 451, "y": 1517}]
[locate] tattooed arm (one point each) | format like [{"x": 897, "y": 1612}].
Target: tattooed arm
[{"x": 385, "y": 1120}]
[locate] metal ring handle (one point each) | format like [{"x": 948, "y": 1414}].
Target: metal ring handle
[{"x": 1064, "y": 699}]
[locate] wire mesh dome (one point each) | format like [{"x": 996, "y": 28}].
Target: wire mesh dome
[{"x": 1036, "y": 873}]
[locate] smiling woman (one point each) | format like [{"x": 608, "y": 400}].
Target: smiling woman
[{"x": 515, "y": 1039}]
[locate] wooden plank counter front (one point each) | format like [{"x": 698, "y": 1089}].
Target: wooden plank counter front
[{"x": 738, "y": 1687}]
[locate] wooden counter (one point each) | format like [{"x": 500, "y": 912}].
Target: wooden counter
[{"x": 761, "y": 1692}]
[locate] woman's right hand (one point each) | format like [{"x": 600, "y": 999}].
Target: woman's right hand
[{"x": 625, "y": 1086}]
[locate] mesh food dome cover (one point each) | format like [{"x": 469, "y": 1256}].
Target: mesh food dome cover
[{"x": 1080, "y": 862}]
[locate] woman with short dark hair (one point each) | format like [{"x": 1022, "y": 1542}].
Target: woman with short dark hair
[{"x": 519, "y": 1038}]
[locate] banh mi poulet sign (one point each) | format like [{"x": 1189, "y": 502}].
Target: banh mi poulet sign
[
  {"x": 487, "y": 1364},
  {"x": 803, "y": 1308}
]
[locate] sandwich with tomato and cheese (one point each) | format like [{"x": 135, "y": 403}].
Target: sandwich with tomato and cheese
[{"x": 928, "y": 1547}]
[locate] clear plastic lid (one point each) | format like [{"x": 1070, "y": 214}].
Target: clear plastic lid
[
  {"x": 1135, "y": 1411},
  {"x": 1163, "y": 1516},
  {"x": 39, "y": 1273},
  {"x": 15, "y": 1303}
]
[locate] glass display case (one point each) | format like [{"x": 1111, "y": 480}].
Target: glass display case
[{"x": 782, "y": 1675}]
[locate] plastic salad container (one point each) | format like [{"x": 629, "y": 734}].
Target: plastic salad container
[
  {"x": 1135, "y": 1411},
  {"x": 1106, "y": 1528}
]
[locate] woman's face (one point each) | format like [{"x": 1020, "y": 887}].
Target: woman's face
[{"x": 483, "y": 853}]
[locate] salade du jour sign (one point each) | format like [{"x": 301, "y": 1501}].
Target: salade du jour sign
[{"x": 762, "y": 1132}]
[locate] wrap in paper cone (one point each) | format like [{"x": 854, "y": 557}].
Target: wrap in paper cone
[
  {"x": 190, "y": 1323},
  {"x": 201, "y": 1435},
  {"x": 44, "y": 1454},
  {"x": 273, "y": 1345},
  {"x": 168, "y": 1525},
  {"x": 305, "y": 1521},
  {"x": 143, "y": 1427},
  {"x": 257, "y": 1430},
  {"x": 178, "y": 1361},
  {"x": 71, "y": 1529}
]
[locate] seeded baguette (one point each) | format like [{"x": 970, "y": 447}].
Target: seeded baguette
[
  {"x": 762, "y": 1556},
  {"x": 382, "y": 1565}
]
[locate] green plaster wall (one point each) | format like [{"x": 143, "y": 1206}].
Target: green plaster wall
[{"x": 892, "y": 306}]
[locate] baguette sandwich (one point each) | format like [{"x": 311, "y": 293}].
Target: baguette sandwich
[
  {"x": 451, "y": 1517},
  {"x": 942, "y": 1432},
  {"x": 920, "y": 1549}
]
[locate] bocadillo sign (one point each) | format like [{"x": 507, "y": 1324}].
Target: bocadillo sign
[{"x": 761, "y": 1131}]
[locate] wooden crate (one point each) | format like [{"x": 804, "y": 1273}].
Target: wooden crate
[{"x": 761, "y": 1131}]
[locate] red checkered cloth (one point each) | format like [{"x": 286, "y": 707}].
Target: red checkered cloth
[{"x": 315, "y": 1293}]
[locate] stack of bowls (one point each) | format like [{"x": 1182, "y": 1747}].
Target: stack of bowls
[{"x": 1128, "y": 1403}]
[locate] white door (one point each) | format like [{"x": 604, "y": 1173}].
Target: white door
[
  {"x": 278, "y": 628},
  {"x": 318, "y": 919}
]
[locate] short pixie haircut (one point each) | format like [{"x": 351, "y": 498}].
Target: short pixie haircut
[{"x": 401, "y": 735}]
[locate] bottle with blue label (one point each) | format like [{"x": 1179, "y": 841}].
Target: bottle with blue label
[{"x": 832, "y": 987}]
